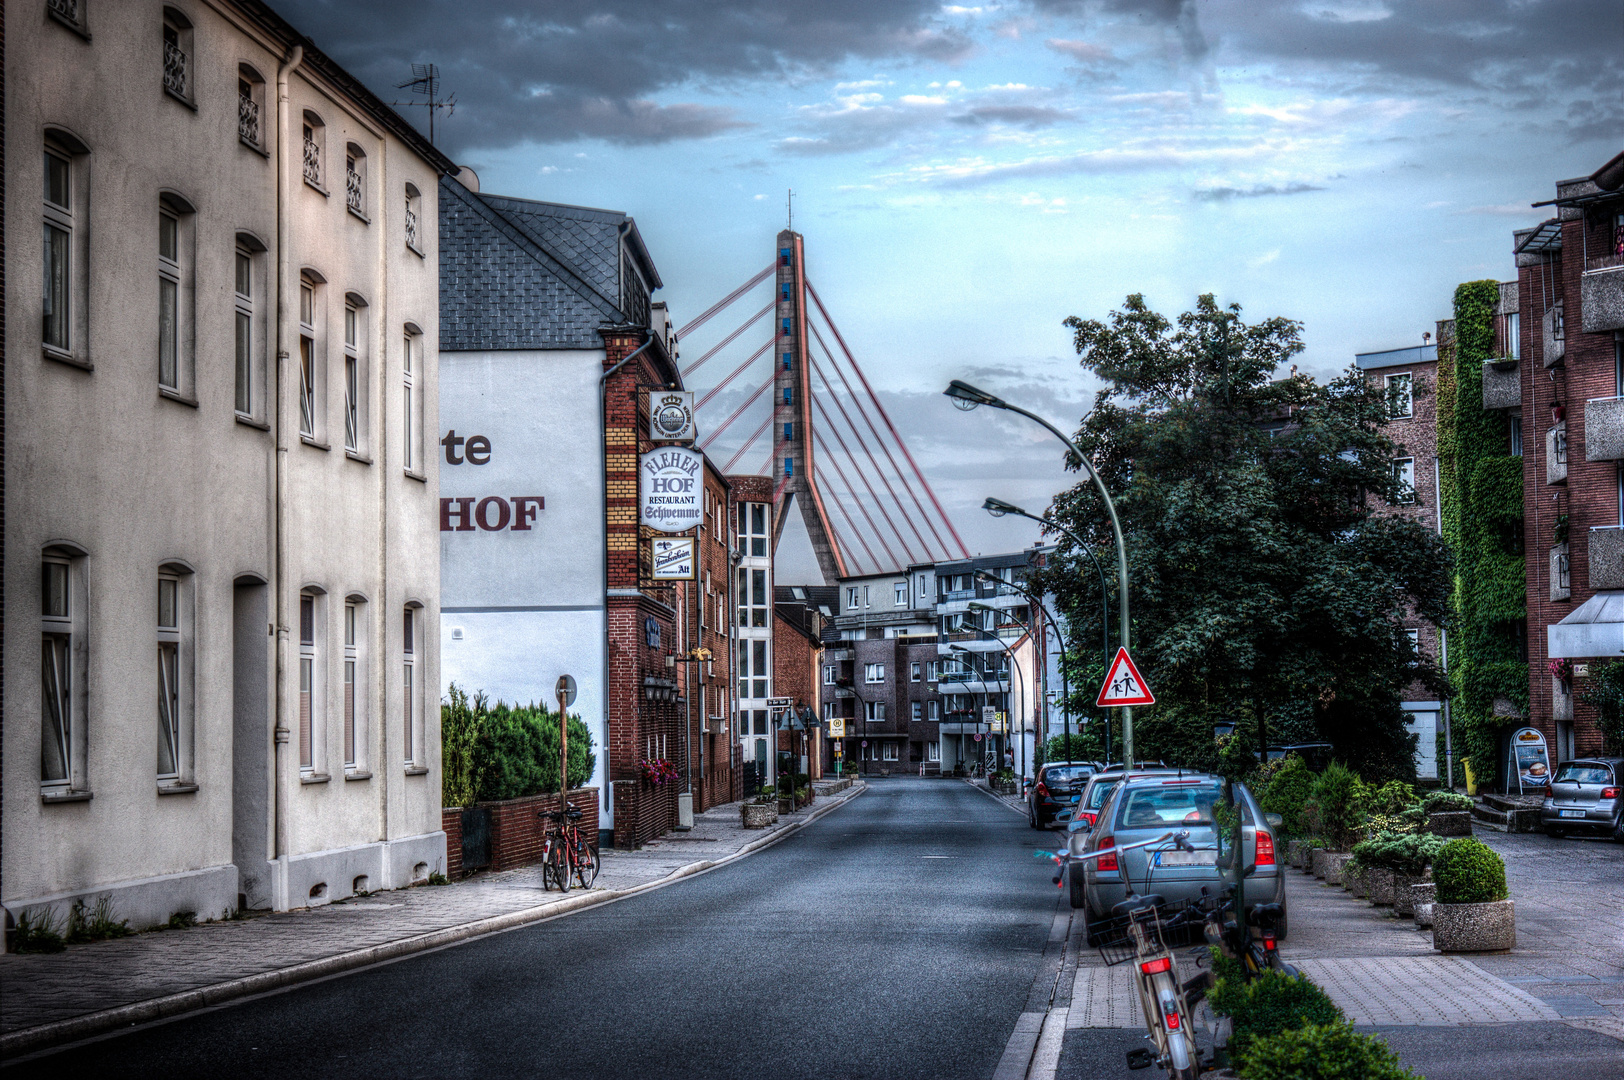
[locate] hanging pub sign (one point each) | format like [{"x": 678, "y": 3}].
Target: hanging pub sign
[
  {"x": 670, "y": 488},
  {"x": 1529, "y": 760},
  {"x": 673, "y": 558},
  {"x": 671, "y": 415}
]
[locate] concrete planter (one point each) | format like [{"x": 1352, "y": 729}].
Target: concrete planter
[
  {"x": 1488, "y": 927},
  {"x": 1333, "y": 867},
  {"x": 1294, "y": 853},
  {"x": 1354, "y": 879},
  {"x": 1319, "y": 860},
  {"x": 758, "y": 815},
  {"x": 1380, "y": 883},
  {"x": 1450, "y": 823},
  {"x": 1422, "y": 895},
  {"x": 786, "y": 806},
  {"x": 1404, "y": 894}
]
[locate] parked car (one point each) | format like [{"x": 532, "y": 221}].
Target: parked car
[
  {"x": 1050, "y": 797},
  {"x": 1584, "y": 796},
  {"x": 1146, "y": 806},
  {"x": 1100, "y": 786}
]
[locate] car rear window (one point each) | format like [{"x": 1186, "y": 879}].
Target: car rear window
[
  {"x": 1580, "y": 773},
  {"x": 1097, "y": 794},
  {"x": 1065, "y": 774},
  {"x": 1153, "y": 806}
]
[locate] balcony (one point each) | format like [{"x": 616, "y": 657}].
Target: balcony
[
  {"x": 1601, "y": 299},
  {"x": 831, "y": 656},
  {"x": 1502, "y": 384},
  {"x": 1554, "y": 334},
  {"x": 1607, "y": 558},
  {"x": 1556, "y": 454},
  {"x": 1604, "y": 429},
  {"x": 175, "y": 73}
]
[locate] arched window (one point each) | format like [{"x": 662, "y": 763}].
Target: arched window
[
  {"x": 312, "y": 359},
  {"x": 355, "y": 180},
  {"x": 355, "y": 695},
  {"x": 315, "y": 138},
  {"x": 63, "y": 664},
  {"x": 414, "y": 210},
  {"x": 64, "y": 327},
  {"x": 412, "y": 382},
  {"x": 251, "y": 108},
  {"x": 178, "y": 56},
  {"x": 177, "y": 235},
  {"x": 176, "y": 638},
  {"x": 357, "y": 352},
  {"x": 249, "y": 293}
]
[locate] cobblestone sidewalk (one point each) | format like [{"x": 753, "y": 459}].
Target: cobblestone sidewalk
[{"x": 91, "y": 988}]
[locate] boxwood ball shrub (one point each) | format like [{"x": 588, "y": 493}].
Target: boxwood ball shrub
[
  {"x": 1468, "y": 871},
  {"x": 1330, "y": 1051},
  {"x": 1268, "y": 1005}
]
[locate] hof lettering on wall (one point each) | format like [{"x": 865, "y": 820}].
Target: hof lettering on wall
[
  {"x": 493, "y": 513},
  {"x": 670, "y": 488}
]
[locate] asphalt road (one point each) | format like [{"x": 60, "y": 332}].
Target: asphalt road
[{"x": 897, "y": 937}]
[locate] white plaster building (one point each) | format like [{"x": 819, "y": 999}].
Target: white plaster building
[{"x": 221, "y": 553}]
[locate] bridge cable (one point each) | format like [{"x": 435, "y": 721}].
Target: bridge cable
[
  {"x": 725, "y": 342},
  {"x": 748, "y": 443},
  {"x": 734, "y": 374},
  {"x": 855, "y": 531},
  {"x": 749, "y": 401},
  {"x": 871, "y": 459},
  {"x": 716, "y": 308},
  {"x": 878, "y": 535}
]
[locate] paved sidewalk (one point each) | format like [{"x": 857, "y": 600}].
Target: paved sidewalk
[{"x": 92, "y": 988}]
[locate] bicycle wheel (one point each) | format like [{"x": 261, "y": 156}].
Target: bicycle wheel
[
  {"x": 561, "y": 868},
  {"x": 1170, "y": 1018},
  {"x": 586, "y": 865},
  {"x": 547, "y": 860}
]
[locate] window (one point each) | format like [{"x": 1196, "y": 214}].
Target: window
[
  {"x": 1516, "y": 436},
  {"x": 70, "y": 13},
  {"x": 933, "y": 709},
  {"x": 917, "y": 710},
  {"x": 310, "y": 684},
  {"x": 828, "y": 675},
  {"x": 177, "y": 55},
  {"x": 851, "y": 597},
  {"x": 789, "y": 432},
  {"x": 356, "y": 340},
  {"x": 250, "y": 108},
  {"x": 315, "y": 135},
  {"x": 789, "y": 466},
  {"x": 1514, "y": 335},
  {"x": 174, "y": 675},
  {"x": 888, "y": 752},
  {"x": 1399, "y": 399},
  {"x": 921, "y": 586},
  {"x": 875, "y": 710},
  {"x": 414, "y": 213},
  {"x": 753, "y": 600},
  {"x": 355, "y": 180},
  {"x": 932, "y": 668},
  {"x": 64, "y": 323},
  {"x": 176, "y": 310},
  {"x": 249, "y": 337},
  {"x": 761, "y": 721},
  {"x": 410, "y": 687},
  {"x": 873, "y": 673},
  {"x": 411, "y": 364},
  {"x": 311, "y": 356},
  {"x": 753, "y": 671},
  {"x": 62, "y": 727},
  {"x": 867, "y": 597},
  {"x": 1404, "y": 476},
  {"x": 902, "y": 593},
  {"x": 355, "y": 726},
  {"x": 753, "y": 530},
  {"x": 1414, "y": 637}
]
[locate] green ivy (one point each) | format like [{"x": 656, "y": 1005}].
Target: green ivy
[{"x": 1481, "y": 503}]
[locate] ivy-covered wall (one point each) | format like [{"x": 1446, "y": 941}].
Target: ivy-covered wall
[{"x": 1482, "y": 510}]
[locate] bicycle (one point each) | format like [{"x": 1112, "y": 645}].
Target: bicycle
[{"x": 566, "y": 853}]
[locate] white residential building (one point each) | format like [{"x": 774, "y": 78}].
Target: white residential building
[{"x": 221, "y": 553}]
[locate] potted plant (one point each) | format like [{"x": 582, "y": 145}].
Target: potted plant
[
  {"x": 760, "y": 812},
  {"x": 1448, "y": 814},
  {"x": 1473, "y": 911},
  {"x": 1397, "y": 861}
]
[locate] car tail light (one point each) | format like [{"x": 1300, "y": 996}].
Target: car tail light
[
  {"x": 1107, "y": 861},
  {"x": 1152, "y": 967},
  {"x": 1043, "y": 792},
  {"x": 1090, "y": 817},
  {"x": 1609, "y": 792},
  {"x": 1265, "y": 850}
]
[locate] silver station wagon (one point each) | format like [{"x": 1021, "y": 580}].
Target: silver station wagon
[{"x": 1584, "y": 797}]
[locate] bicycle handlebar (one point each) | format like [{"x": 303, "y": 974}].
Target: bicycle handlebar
[{"x": 1181, "y": 841}]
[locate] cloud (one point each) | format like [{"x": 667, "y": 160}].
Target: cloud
[
  {"x": 557, "y": 71},
  {"x": 1026, "y": 116},
  {"x": 1256, "y": 191},
  {"x": 1083, "y": 51}
]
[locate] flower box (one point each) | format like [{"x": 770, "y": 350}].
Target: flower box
[
  {"x": 1422, "y": 896},
  {"x": 1380, "y": 882},
  {"x": 1450, "y": 823},
  {"x": 1334, "y": 863},
  {"x": 1489, "y": 927},
  {"x": 758, "y": 815},
  {"x": 1404, "y": 894}
]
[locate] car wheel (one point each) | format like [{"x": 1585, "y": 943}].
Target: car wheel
[
  {"x": 1079, "y": 894},
  {"x": 1618, "y": 829}
]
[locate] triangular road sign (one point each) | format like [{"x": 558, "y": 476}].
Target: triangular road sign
[{"x": 1124, "y": 685}]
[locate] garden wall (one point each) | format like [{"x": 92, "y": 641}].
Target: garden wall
[{"x": 517, "y": 832}]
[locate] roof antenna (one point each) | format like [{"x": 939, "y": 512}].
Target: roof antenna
[
  {"x": 790, "y": 202},
  {"x": 425, "y": 80}
]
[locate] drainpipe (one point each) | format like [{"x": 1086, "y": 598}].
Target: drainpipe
[
  {"x": 603, "y": 460},
  {"x": 278, "y": 576}
]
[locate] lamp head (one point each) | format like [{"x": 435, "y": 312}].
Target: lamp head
[
  {"x": 998, "y": 508},
  {"x": 976, "y": 605},
  {"x": 1223, "y": 729},
  {"x": 967, "y": 397}
]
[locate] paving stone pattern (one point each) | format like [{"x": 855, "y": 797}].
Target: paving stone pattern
[{"x": 105, "y": 975}]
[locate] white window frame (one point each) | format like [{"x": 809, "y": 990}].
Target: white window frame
[
  {"x": 177, "y": 300},
  {"x": 314, "y": 151},
  {"x": 874, "y": 711},
  {"x": 933, "y": 751},
  {"x": 933, "y": 710},
  {"x": 1408, "y": 405},
  {"x": 1414, "y": 634},
  {"x": 1406, "y": 496},
  {"x": 311, "y": 685},
  {"x": 914, "y": 671},
  {"x": 411, "y": 687},
  {"x": 64, "y": 663},
  {"x": 902, "y": 593},
  {"x": 179, "y": 60},
  {"x": 1514, "y": 335},
  {"x": 246, "y": 388},
  {"x": 888, "y": 751},
  {"x": 353, "y": 683},
  {"x": 412, "y": 385},
  {"x": 413, "y": 222},
  {"x": 71, "y": 219},
  {"x": 874, "y": 673},
  {"x": 917, "y": 711},
  {"x": 176, "y": 655},
  {"x": 251, "y": 116},
  {"x": 851, "y": 596},
  {"x": 357, "y": 378},
  {"x": 828, "y": 674},
  {"x": 312, "y": 362},
  {"x": 355, "y": 181}
]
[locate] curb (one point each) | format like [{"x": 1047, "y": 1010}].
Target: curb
[{"x": 173, "y": 1005}]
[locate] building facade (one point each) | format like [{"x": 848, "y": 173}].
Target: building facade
[
  {"x": 753, "y": 626},
  {"x": 1566, "y": 353},
  {"x": 233, "y": 357}
]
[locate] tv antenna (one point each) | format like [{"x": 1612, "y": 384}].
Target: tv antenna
[
  {"x": 425, "y": 81},
  {"x": 789, "y": 202}
]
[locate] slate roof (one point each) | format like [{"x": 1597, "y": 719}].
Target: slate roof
[{"x": 521, "y": 274}]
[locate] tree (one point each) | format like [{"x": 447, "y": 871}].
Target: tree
[{"x": 1264, "y": 589}]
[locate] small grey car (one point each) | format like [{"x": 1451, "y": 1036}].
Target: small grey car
[
  {"x": 1146, "y": 806},
  {"x": 1585, "y": 796}
]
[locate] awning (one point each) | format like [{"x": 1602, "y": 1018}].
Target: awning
[{"x": 1596, "y": 629}]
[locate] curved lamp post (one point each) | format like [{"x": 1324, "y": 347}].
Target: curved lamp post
[
  {"x": 967, "y": 397},
  {"x": 1065, "y": 647},
  {"x": 976, "y": 605},
  {"x": 999, "y": 508},
  {"x": 1013, "y": 667}
]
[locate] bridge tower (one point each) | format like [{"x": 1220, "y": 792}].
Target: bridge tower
[{"x": 793, "y": 473}]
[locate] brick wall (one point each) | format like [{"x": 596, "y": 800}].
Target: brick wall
[
  {"x": 451, "y": 824},
  {"x": 717, "y": 779},
  {"x": 518, "y": 833}
]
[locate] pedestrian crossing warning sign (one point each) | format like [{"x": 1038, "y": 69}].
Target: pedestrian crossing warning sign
[{"x": 1124, "y": 685}]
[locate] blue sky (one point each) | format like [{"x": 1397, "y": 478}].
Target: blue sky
[{"x": 968, "y": 175}]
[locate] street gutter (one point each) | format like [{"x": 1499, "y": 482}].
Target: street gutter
[{"x": 171, "y": 1006}]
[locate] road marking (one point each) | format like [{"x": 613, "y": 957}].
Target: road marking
[
  {"x": 938, "y": 856},
  {"x": 1046, "y": 1058}
]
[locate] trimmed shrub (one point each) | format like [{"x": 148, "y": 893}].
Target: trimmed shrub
[
  {"x": 1268, "y": 1005},
  {"x": 1446, "y": 802},
  {"x": 1468, "y": 871},
  {"x": 1325, "y": 1051},
  {"x": 505, "y": 752},
  {"x": 1391, "y": 799},
  {"x": 1287, "y": 793},
  {"x": 1339, "y": 798},
  {"x": 1407, "y": 853}
]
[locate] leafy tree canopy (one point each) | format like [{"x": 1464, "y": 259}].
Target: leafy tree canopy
[{"x": 1262, "y": 585}]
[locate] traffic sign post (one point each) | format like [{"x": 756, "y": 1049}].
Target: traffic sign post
[{"x": 1124, "y": 685}]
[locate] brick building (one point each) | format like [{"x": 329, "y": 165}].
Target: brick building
[
  {"x": 884, "y": 633},
  {"x": 1568, "y": 338},
  {"x": 799, "y": 615},
  {"x": 707, "y": 691}
]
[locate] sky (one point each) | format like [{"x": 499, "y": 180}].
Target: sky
[{"x": 968, "y": 176}]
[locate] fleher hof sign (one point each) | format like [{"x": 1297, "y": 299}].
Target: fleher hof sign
[{"x": 670, "y": 488}]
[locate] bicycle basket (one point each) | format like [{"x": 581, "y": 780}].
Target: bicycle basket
[{"x": 1114, "y": 940}]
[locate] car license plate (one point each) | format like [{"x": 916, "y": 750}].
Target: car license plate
[
  {"x": 1186, "y": 858},
  {"x": 1572, "y": 813}
]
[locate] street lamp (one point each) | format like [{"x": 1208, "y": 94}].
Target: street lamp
[
  {"x": 968, "y": 397},
  {"x": 1223, "y": 729},
  {"x": 1013, "y": 667},
  {"x": 976, "y": 605},
  {"x": 999, "y": 508}
]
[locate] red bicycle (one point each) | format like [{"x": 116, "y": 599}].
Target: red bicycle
[{"x": 567, "y": 856}]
